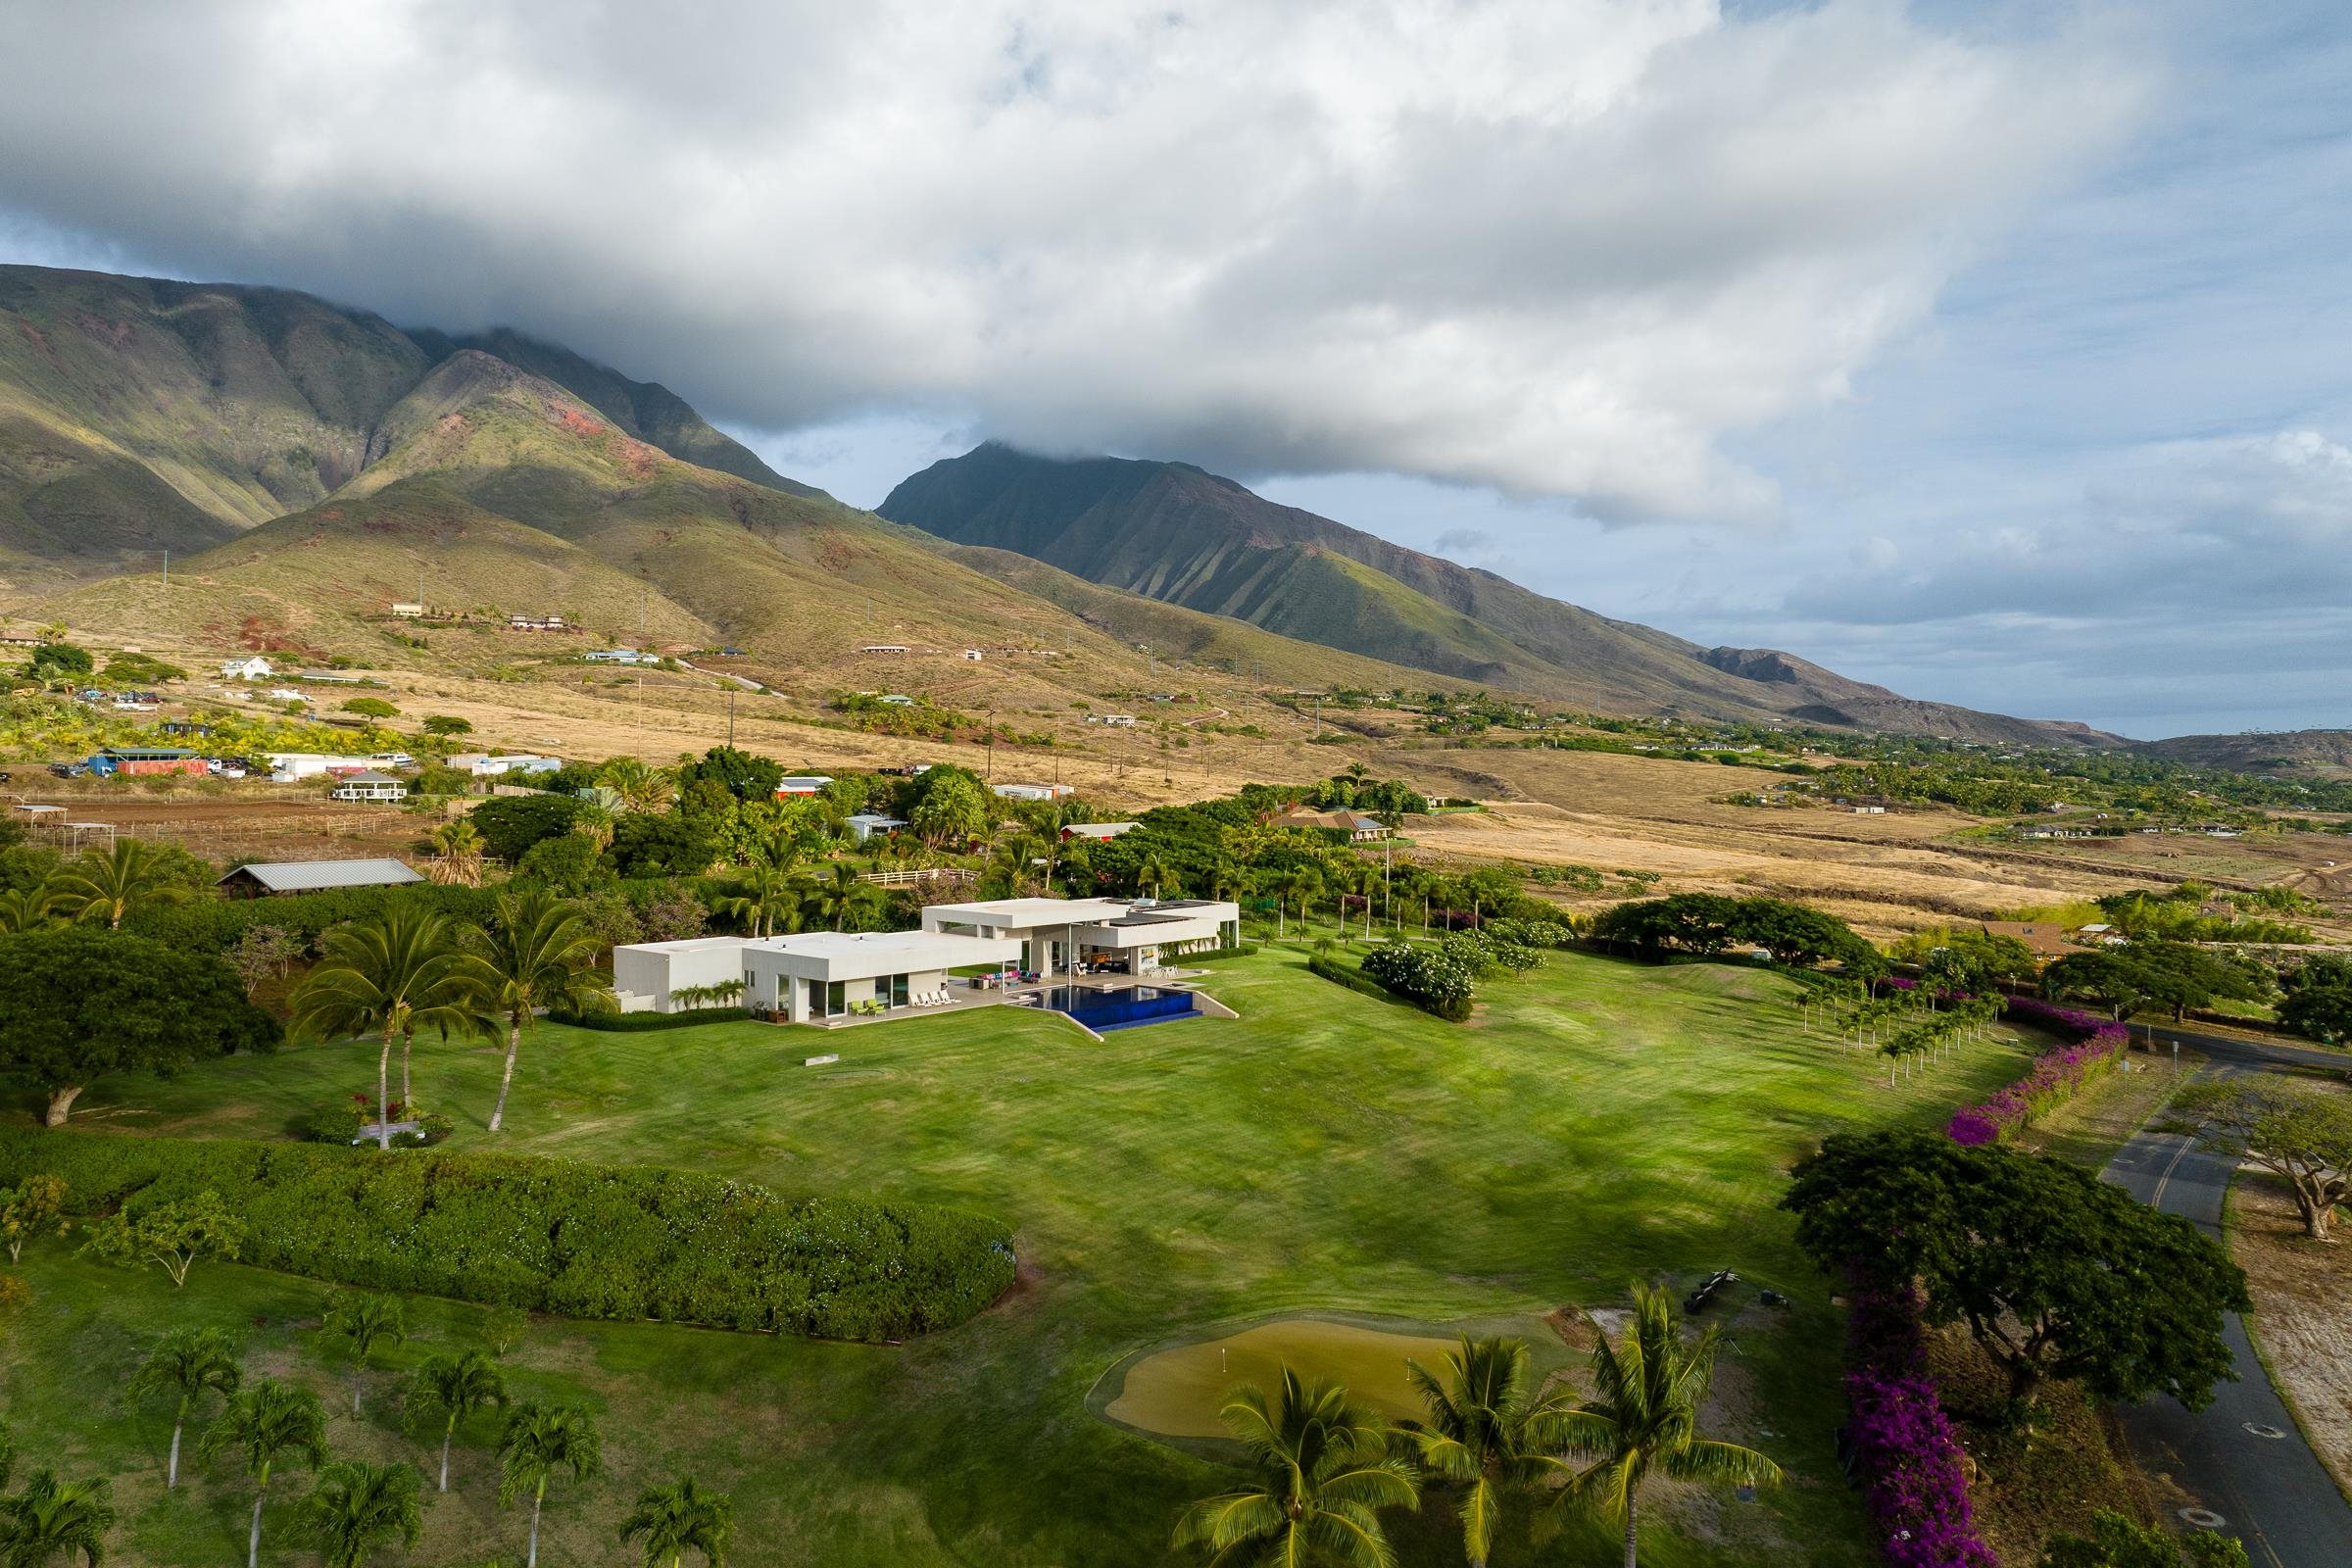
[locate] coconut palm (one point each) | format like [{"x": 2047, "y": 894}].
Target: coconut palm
[
  {"x": 673, "y": 1520},
  {"x": 1485, "y": 1434},
  {"x": 354, "y": 1507},
  {"x": 186, "y": 1364},
  {"x": 1324, "y": 1471},
  {"x": 1643, "y": 1417},
  {"x": 458, "y": 1386},
  {"x": 52, "y": 1519},
  {"x": 540, "y": 1440},
  {"x": 640, "y": 788},
  {"x": 33, "y": 909},
  {"x": 365, "y": 1322},
  {"x": 593, "y": 822},
  {"x": 395, "y": 973},
  {"x": 131, "y": 876},
  {"x": 765, "y": 897},
  {"x": 1298, "y": 882},
  {"x": 265, "y": 1423},
  {"x": 456, "y": 854},
  {"x": 536, "y": 953},
  {"x": 842, "y": 897},
  {"x": 1154, "y": 874}
]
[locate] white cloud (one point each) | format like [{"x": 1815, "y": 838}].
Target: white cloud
[{"x": 1563, "y": 247}]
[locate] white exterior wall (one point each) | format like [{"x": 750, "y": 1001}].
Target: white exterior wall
[{"x": 647, "y": 972}]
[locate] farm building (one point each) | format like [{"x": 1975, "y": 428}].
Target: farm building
[
  {"x": 265, "y": 878},
  {"x": 371, "y": 786},
  {"x": 134, "y": 760}
]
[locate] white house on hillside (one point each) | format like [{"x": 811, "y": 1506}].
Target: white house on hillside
[{"x": 255, "y": 668}]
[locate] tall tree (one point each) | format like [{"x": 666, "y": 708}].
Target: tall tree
[
  {"x": 457, "y": 1386},
  {"x": 186, "y": 1364},
  {"x": 2054, "y": 1272},
  {"x": 363, "y": 1322},
  {"x": 540, "y": 1440},
  {"x": 1323, "y": 1472},
  {"x": 844, "y": 898},
  {"x": 264, "y": 1424},
  {"x": 536, "y": 953},
  {"x": 457, "y": 851},
  {"x": 389, "y": 975},
  {"x": 2296, "y": 1130},
  {"x": 354, "y": 1507},
  {"x": 765, "y": 897},
  {"x": 1644, "y": 1419},
  {"x": 104, "y": 887},
  {"x": 668, "y": 1522},
  {"x": 78, "y": 1004},
  {"x": 32, "y": 909},
  {"x": 640, "y": 788},
  {"x": 52, "y": 1519},
  {"x": 1485, "y": 1434}
]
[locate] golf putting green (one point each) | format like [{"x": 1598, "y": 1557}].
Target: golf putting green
[{"x": 1176, "y": 1393}]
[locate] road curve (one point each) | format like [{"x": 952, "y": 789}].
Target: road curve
[{"x": 2270, "y": 1492}]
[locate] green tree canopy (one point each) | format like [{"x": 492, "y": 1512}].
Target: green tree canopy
[
  {"x": 2296, "y": 1129},
  {"x": 2115, "y": 1542},
  {"x": 740, "y": 773},
  {"x": 1321, "y": 1472},
  {"x": 953, "y": 807},
  {"x": 2054, "y": 1272},
  {"x": 78, "y": 1004},
  {"x": 509, "y": 824}
]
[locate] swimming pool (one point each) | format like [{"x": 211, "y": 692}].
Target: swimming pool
[{"x": 1123, "y": 1008}]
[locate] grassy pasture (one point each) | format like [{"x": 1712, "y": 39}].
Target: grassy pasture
[{"x": 1327, "y": 1154}]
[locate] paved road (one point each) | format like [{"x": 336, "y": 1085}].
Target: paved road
[{"x": 2271, "y": 1491}]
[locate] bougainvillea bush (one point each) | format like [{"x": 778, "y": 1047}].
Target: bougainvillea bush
[
  {"x": 2096, "y": 1046},
  {"x": 1910, "y": 1459}
]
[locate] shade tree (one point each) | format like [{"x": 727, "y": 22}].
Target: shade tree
[{"x": 2297, "y": 1130}]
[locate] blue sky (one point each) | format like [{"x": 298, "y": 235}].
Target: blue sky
[{"x": 1995, "y": 353}]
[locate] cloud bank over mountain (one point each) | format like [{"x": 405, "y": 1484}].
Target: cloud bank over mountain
[{"x": 1560, "y": 248}]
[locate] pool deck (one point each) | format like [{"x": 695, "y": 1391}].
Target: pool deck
[{"x": 966, "y": 998}]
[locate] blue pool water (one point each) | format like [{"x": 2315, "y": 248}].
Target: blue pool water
[{"x": 1122, "y": 1009}]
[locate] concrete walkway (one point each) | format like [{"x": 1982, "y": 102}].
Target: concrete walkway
[{"x": 2269, "y": 1491}]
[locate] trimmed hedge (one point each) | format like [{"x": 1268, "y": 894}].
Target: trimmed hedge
[
  {"x": 556, "y": 1236},
  {"x": 624, "y": 1023},
  {"x": 1356, "y": 980},
  {"x": 213, "y": 924}
]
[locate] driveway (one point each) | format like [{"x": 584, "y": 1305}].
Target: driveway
[{"x": 2269, "y": 1491}]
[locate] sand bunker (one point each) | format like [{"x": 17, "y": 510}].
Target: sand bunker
[{"x": 1176, "y": 1393}]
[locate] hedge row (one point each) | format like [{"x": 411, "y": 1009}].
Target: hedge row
[
  {"x": 621, "y": 1023},
  {"x": 214, "y": 925},
  {"x": 556, "y": 1236},
  {"x": 1355, "y": 979}
]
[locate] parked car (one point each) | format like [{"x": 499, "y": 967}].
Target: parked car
[
  {"x": 393, "y": 759},
  {"x": 69, "y": 770}
]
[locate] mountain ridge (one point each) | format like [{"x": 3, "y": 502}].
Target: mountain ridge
[{"x": 1175, "y": 532}]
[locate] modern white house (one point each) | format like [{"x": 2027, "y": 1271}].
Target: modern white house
[
  {"x": 808, "y": 977},
  {"x": 1064, "y": 936},
  {"x": 371, "y": 786},
  {"x": 255, "y": 668}
]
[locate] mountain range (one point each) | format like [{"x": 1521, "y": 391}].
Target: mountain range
[{"x": 305, "y": 464}]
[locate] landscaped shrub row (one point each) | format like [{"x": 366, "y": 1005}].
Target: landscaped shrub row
[
  {"x": 214, "y": 925},
  {"x": 1909, "y": 1458},
  {"x": 1347, "y": 975},
  {"x": 1437, "y": 979},
  {"x": 2057, "y": 1075},
  {"x": 556, "y": 1236},
  {"x": 638, "y": 1022}
]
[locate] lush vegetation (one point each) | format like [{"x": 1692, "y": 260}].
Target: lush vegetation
[{"x": 553, "y": 1236}]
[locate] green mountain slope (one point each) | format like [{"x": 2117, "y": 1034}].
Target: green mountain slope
[{"x": 1177, "y": 534}]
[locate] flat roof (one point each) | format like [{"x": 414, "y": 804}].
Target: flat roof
[
  {"x": 1026, "y": 913},
  {"x": 685, "y": 945},
  {"x": 857, "y": 955}
]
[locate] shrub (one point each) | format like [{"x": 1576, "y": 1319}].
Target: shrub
[
  {"x": 2097, "y": 1046},
  {"x": 1438, "y": 980},
  {"x": 554, "y": 1236},
  {"x": 1909, "y": 1458},
  {"x": 215, "y": 925},
  {"x": 640, "y": 1023}
]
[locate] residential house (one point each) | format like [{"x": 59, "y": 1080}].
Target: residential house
[
  {"x": 1357, "y": 827},
  {"x": 972, "y": 654},
  {"x": 866, "y": 824},
  {"x": 1098, "y": 830},
  {"x": 801, "y": 784},
  {"x": 2046, "y": 939},
  {"x": 1061, "y": 936},
  {"x": 620, "y": 656},
  {"x": 489, "y": 764},
  {"x": 805, "y": 978},
  {"x": 370, "y": 785},
  {"x": 408, "y": 610},
  {"x": 537, "y": 623},
  {"x": 1035, "y": 792},
  {"x": 254, "y": 667}
]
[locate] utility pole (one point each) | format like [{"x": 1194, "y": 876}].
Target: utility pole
[
  {"x": 992, "y": 745},
  {"x": 1319, "y": 713},
  {"x": 166, "y": 571},
  {"x": 730, "y": 717},
  {"x": 641, "y": 633}
]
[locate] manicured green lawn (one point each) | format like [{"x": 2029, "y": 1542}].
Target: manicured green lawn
[{"x": 1598, "y": 1122}]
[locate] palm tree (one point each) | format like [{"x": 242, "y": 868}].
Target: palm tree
[
  {"x": 109, "y": 886},
  {"x": 456, "y": 854},
  {"x": 1154, "y": 874},
  {"x": 680, "y": 1518},
  {"x": 393, "y": 973},
  {"x": 767, "y": 897},
  {"x": 51, "y": 1518},
  {"x": 25, "y": 909},
  {"x": 354, "y": 1508},
  {"x": 541, "y": 1439},
  {"x": 263, "y": 1423},
  {"x": 640, "y": 788},
  {"x": 1484, "y": 1432},
  {"x": 186, "y": 1364},
  {"x": 1644, "y": 1416},
  {"x": 537, "y": 953},
  {"x": 457, "y": 1385},
  {"x": 595, "y": 824},
  {"x": 842, "y": 896},
  {"x": 1301, "y": 882},
  {"x": 365, "y": 1322},
  {"x": 1323, "y": 1473}
]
